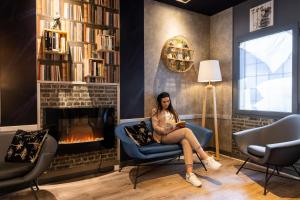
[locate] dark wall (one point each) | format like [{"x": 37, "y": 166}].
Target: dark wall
[
  {"x": 132, "y": 59},
  {"x": 286, "y": 14},
  {"x": 18, "y": 62}
]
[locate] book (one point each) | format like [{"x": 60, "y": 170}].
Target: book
[{"x": 180, "y": 124}]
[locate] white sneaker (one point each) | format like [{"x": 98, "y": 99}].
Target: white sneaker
[
  {"x": 193, "y": 179},
  {"x": 210, "y": 163}
]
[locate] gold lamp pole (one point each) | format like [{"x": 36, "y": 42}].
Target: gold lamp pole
[{"x": 209, "y": 71}]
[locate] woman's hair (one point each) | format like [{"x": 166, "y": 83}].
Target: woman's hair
[{"x": 170, "y": 108}]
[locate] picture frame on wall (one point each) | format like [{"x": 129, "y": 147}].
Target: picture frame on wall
[{"x": 262, "y": 16}]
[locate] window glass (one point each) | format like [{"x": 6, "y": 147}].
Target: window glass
[{"x": 265, "y": 79}]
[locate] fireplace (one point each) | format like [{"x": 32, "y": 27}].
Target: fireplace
[{"x": 81, "y": 129}]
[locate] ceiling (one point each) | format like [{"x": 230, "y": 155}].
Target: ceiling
[{"x": 207, "y": 7}]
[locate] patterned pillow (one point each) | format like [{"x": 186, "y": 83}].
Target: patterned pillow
[
  {"x": 25, "y": 146},
  {"x": 140, "y": 134}
]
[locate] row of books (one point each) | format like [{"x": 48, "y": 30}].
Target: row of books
[
  {"x": 72, "y": 11},
  {"x": 54, "y": 72},
  {"x": 55, "y": 41},
  {"x": 110, "y": 58},
  {"x": 75, "y": 72},
  {"x": 63, "y": 72},
  {"x": 42, "y": 25},
  {"x": 48, "y": 7},
  {"x": 104, "y": 41},
  {"x": 111, "y": 75},
  {"x": 95, "y": 68},
  {"x": 87, "y": 34},
  {"x": 106, "y": 18},
  {"x": 74, "y": 30},
  {"x": 76, "y": 53},
  {"x": 114, "y": 4}
]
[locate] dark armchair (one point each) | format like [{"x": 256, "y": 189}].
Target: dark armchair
[
  {"x": 155, "y": 151},
  {"x": 12, "y": 174},
  {"x": 276, "y": 145}
]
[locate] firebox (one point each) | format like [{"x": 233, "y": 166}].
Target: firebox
[{"x": 81, "y": 126}]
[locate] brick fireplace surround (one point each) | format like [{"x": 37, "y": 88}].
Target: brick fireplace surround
[{"x": 78, "y": 95}]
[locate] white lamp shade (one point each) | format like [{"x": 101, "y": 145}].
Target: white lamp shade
[{"x": 209, "y": 71}]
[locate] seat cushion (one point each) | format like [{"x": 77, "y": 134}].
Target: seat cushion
[
  {"x": 12, "y": 170},
  {"x": 256, "y": 150},
  {"x": 159, "y": 148}
]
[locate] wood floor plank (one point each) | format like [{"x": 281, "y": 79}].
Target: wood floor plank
[{"x": 167, "y": 182}]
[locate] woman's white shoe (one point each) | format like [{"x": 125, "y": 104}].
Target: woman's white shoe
[
  {"x": 193, "y": 179},
  {"x": 210, "y": 163}
]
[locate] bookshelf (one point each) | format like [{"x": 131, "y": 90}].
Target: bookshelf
[
  {"x": 83, "y": 45},
  {"x": 54, "y": 41},
  {"x": 177, "y": 54}
]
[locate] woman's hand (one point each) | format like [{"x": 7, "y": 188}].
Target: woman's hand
[{"x": 170, "y": 127}]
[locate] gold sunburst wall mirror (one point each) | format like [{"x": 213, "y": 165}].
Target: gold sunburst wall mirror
[{"x": 177, "y": 54}]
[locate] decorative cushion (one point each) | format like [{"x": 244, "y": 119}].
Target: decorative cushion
[
  {"x": 25, "y": 146},
  {"x": 140, "y": 134}
]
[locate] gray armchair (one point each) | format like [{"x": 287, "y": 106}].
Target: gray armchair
[
  {"x": 12, "y": 174},
  {"x": 276, "y": 145}
]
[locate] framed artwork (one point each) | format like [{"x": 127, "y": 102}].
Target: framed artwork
[{"x": 262, "y": 16}]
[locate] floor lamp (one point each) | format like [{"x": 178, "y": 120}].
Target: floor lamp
[{"x": 209, "y": 71}]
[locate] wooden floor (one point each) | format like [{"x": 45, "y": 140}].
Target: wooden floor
[{"x": 168, "y": 182}]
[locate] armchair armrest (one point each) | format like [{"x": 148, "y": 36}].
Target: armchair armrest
[
  {"x": 202, "y": 134},
  {"x": 282, "y": 154},
  {"x": 129, "y": 146},
  {"x": 254, "y": 136}
]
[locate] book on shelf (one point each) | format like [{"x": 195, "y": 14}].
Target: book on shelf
[
  {"x": 48, "y": 7},
  {"x": 76, "y": 53},
  {"x": 180, "y": 124},
  {"x": 87, "y": 13},
  {"x": 72, "y": 11},
  {"x": 77, "y": 72},
  {"x": 111, "y": 58},
  {"x": 114, "y": 4}
]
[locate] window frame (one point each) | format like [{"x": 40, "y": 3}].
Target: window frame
[{"x": 295, "y": 71}]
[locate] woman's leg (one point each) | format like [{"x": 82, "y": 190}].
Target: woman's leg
[
  {"x": 185, "y": 133},
  {"x": 188, "y": 155}
]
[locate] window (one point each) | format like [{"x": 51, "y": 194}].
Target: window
[{"x": 265, "y": 73}]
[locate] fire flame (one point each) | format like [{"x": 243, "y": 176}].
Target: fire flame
[{"x": 73, "y": 139}]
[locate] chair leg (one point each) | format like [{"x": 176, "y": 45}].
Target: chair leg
[
  {"x": 242, "y": 166},
  {"x": 34, "y": 183},
  {"x": 268, "y": 177},
  {"x": 277, "y": 170},
  {"x": 266, "y": 180},
  {"x": 136, "y": 176},
  {"x": 201, "y": 162}
]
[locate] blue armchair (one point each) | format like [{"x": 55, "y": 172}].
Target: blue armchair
[{"x": 142, "y": 155}]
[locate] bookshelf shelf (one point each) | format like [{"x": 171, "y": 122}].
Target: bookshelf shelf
[
  {"x": 55, "y": 41},
  {"x": 91, "y": 29},
  {"x": 177, "y": 54}
]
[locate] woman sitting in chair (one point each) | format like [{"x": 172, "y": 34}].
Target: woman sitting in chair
[{"x": 167, "y": 130}]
